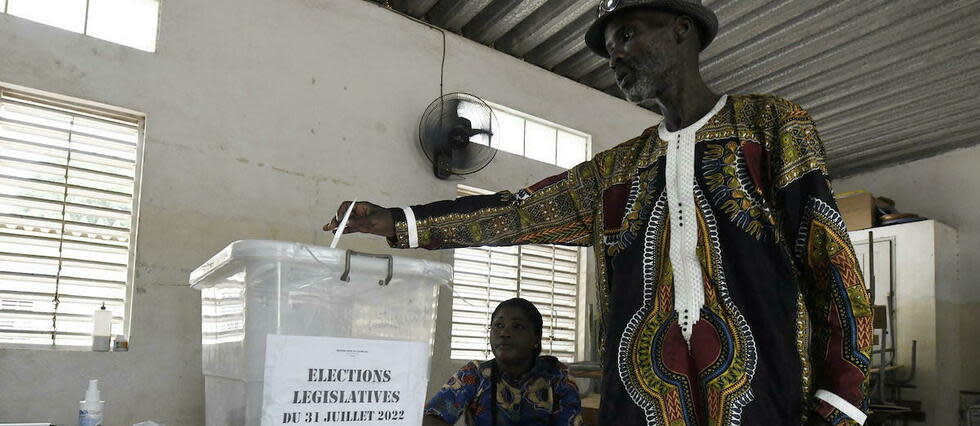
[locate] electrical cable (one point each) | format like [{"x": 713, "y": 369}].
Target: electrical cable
[{"x": 442, "y": 67}]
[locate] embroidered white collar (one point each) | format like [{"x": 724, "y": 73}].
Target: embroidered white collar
[{"x": 680, "y": 187}]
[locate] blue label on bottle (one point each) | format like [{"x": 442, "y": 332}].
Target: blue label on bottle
[{"x": 87, "y": 418}]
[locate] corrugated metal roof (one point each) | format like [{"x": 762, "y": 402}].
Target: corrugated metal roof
[{"x": 886, "y": 81}]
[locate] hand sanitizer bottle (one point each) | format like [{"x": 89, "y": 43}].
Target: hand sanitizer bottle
[
  {"x": 90, "y": 410},
  {"x": 102, "y": 320}
]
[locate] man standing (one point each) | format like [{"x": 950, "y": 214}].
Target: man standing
[{"x": 729, "y": 290}]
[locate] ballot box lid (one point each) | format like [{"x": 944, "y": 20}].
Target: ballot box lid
[{"x": 331, "y": 260}]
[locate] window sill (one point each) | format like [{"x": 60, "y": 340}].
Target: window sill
[{"x": 52, "y": 348}]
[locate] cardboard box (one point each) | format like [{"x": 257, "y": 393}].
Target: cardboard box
[{"x": 858, "y": 210}]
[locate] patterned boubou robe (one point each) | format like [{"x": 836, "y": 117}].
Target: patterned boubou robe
[{"x": 781, "y": 324}]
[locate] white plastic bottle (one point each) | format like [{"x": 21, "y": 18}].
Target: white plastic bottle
[
  {"x": 102, "y": 320},
  {"x": 90, "y": 410}
]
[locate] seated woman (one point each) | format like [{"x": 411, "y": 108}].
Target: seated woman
[{"x": 517, "y": 387}]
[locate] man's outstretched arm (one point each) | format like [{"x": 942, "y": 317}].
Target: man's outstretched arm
[{"x": 556, "y": 210}]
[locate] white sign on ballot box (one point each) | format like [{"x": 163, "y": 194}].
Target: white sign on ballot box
[{"x": 334, "y": 381}]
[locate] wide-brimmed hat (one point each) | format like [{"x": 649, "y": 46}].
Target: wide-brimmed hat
[{"x": 704, "y": 17}]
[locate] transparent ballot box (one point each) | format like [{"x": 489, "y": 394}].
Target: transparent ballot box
[{"x": 253, "y": 289}]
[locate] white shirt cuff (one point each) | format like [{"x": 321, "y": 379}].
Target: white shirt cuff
[
  {"x": 413, "y": 231},
  {"x": 841, "y": 404}
]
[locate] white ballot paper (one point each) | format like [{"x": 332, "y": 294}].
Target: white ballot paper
[{"x": 340, "y": 381}]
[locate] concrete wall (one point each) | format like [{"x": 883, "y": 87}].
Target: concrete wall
[
  {"x": 261, "y": 117},
  {"x": 944, "y": 188}
]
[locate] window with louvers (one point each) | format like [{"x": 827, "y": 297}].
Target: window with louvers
[
  {"x": 537, "y": 139},
  {"x": 131, "y": 23},
  {"x": 67, "y": 182},
  {"x": 546, "y": 275}
]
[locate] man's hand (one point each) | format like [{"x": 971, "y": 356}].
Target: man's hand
[{"x": 366, "y": 217}]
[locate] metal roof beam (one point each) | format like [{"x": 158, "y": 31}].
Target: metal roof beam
[
  {"x": 921, "y": 148},
  {"x": 901, "y": 107},
  {"x": 891, "y": 82},
  {"x": 580, "y": 64},
  {"x": 454, "y": 14},
  {"x": 922, "y": 134},
  {"x": 543, "y": 23},
  {"x": 890, "y": 159},
  {"x": 879, "y": 48},
  {"x": 416, "y": 8},
  {"x": 498, "y": 18},
  {"x": 562, "y": 44}
]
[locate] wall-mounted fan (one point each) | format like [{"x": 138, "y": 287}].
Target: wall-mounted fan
[{"x": 456, "y": 134}]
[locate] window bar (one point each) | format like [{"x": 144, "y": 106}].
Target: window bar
[
  {"x": 551, "y": 335},
  {"x": 555, "y": 162},
  {"x": 520, "y": 266},
  {"x": 585, "y": 145},
  {"x": 68, "y": 107},
  {"x": 486, "y": 352},
  {"x": 523, "y": 143},
  {"x": 579, "y": 306},
  {"x": 61, "y": 241},
  {"x": 85, "y": 26},
  {"x": 101, "y": 138},
  {"x": 490, "y": 143}
]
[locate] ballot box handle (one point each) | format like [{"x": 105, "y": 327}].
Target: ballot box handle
[{"x": 346, "y": 275}]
